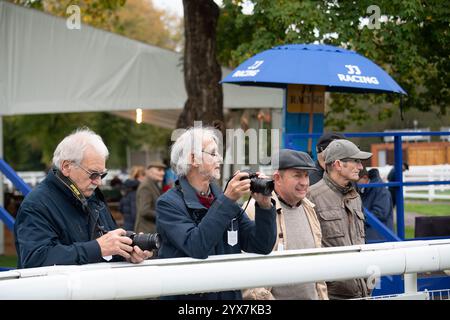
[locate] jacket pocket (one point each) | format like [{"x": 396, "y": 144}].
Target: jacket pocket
[
  {"x": 360, "y": 221},
  {"x": 331, "y": 223}
]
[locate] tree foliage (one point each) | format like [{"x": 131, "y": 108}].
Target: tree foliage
[
  {"x": 30, "y": 140},
  {"x": 412, "y": 44}
]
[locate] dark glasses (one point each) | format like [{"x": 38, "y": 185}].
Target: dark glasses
[{"x": 93, "y": 175}]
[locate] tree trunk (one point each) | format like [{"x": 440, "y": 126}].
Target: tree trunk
[{"x": 202, "y": 72}]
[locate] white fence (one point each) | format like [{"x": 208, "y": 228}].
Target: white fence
[
  {"x": 424, "y": 173},
  {"x": 161, "y": 277},
  {"x": 415, "y": 173},
  {"x": 33, "y": 178}
]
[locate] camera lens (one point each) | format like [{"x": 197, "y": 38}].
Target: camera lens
[
  {"x": 263, "y": 186},
  {"x": 259, "y": 185},
  {"x": 145, "y": 241}
]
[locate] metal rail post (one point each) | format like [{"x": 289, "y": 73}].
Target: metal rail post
[{"x": 399, "y": 190}]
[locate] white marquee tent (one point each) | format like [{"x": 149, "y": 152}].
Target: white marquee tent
[{"x": 45, "y": 67}]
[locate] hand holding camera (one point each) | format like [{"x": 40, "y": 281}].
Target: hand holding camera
[
  {"x": 121, "y": 242},
  {"x": 243, "y": 181},
  {"x": 237, "y": 186},
  {"x": 261, "y": 187}
]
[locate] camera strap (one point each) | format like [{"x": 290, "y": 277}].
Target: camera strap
[{"x": 95, "y": 229}]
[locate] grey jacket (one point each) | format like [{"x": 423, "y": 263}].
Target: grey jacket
[{"x": 342, "y": 222}]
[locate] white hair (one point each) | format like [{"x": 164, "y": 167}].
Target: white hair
[
  {"x": 190, "y": 142},
  {"x": 73, "y": 146}
]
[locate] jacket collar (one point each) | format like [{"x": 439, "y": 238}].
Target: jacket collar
[
  {"x": 190, "y": 194},
  {"x": 57, "y": 183},
  {"x": 305, "y": 202},
  {"x": 349, "y": 191}
]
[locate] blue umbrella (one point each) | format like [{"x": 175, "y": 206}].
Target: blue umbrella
[{"x": 337, "y": 69}]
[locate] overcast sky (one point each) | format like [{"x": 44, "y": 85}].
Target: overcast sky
[
  {"x": 176, "y": 6},
  {"x": 173, "y": 6}
]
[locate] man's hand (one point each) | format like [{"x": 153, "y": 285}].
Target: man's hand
[
  {"x": 116, "y": 243},
  {"x": 236, "y": 187},
  {"x": 137, "y": 255},
  {"x": 263, "y": 201}
]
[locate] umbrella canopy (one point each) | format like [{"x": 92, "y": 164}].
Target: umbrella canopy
[{"x": 337, "y": 69}]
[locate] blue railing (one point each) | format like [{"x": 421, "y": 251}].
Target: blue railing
[
  {"x": 289, "y": 142},
  {"x": 9, "y": 172}
]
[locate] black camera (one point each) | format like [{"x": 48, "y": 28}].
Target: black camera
[
  {"x": 145, "y": 241},
  {"x": 259, "y": 185}
]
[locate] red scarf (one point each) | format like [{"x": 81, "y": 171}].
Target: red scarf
[{"x": 206, "y": 200}]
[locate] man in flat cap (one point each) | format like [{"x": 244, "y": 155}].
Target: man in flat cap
[
  {"x": 147, "y": 194},
  {"x": 322, "y": 144},
  {"x": 339, "y": 208},
  {"x": 297, "y": 223}
]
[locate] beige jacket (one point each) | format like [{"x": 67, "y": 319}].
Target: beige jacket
[
  {"x": 342, "y": 223},
  {"x": 282, "y": 238}
]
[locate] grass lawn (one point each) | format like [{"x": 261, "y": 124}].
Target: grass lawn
[
  {"x": 8, "y": 261},
  {"x": 409, "y": 232},
  {"x": 438, "y": 192},
  {"x": 428, "y": 209}
]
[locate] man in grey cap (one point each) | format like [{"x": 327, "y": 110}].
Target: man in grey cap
[
  {"x": 297, "y": 223},
  {"x": 339, "y": 208},
  {"x": 321, "y": 145},
  {"x": 147, "y": 194}
]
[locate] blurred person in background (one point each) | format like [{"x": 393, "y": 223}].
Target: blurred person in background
[
  {"x": 322, "y": 144},
  {"x": 377, "y": 200},
  {"x": 128, "y": 202},
  {"x": 147, "y": 194}
]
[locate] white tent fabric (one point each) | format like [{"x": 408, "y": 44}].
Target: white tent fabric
[{"x": 47, "y": 68}]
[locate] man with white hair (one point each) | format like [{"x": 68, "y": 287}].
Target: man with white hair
[
  {"x": 196, "y": 219},
  {"x": 65, "y": 219}
]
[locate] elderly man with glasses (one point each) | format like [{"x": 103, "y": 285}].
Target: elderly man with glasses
[
  {"x": 65, "y": 219},
  {"x": 196, "y": 219},
  {"x": 339, "y": 208}
]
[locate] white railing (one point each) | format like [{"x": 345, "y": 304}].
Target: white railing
[
  {"x": 423, "y": 173},
  {"x": 427, "y": 173},
  {"x": 163, "y": 277},
  {"x": 415, "y": 173},
  {"x": 33, "y": 178}
]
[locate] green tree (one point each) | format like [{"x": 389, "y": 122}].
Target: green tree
[
  {"x": 30, "y": 140},
  {"x": 412, "y": 44}
]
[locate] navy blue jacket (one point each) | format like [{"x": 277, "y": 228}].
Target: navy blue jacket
[
  {"x": 128, "y": 204},
  {"x": 378, "y": 201},
  {"x": 52, "y": 228},
  {"x": 188, "y": 229},
  {"x": 316, "y": 175}
]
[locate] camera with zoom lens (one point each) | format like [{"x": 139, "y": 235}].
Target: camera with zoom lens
[
  {"x": 259, "y": 185},
  {"x": 145, "y": 241}
]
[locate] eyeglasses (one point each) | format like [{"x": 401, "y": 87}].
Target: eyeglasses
[
  {"x": 358, "y": 161},
  {"x": 93, "y": 175},
  {"x": 212, "y": 154}
]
